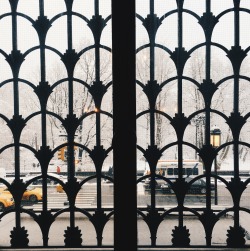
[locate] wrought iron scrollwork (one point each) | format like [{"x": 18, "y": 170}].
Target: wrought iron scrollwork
[{"x": 202, "y": 114}]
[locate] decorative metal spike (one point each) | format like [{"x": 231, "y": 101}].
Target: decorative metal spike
[
  {"x": 180, "y": 237},
  {"x": 45, "y": 220},
  {"x": 152, "y": 89},
  {"x": 70, "y": 58},
  {"x": 99, "y": 219},
  {"x": 151, "y": 23},
  {"x": 208, "y": 22},
  {"x": 97, "y": 24},
  {"x": 180, "y": 122},
  {"x": 180, "y": 57},
  {"x": 98, "y": 90},
  {"x": 17, "y": 188},
  {"x": 42, "y": 25},
  {"x": 98, "y": 155},
  {"x": 208, "y": 219},
  {"x": 180, "y": 187},
  {"x": 44, "y": 155},
  {"x": 71, "y": 188},
  {"x": 207, "y": 153},
  {"x": 152, "y": 155},
  {"x": 236, "y": 237},
  {"x": 15, "y": 59},
  {"x": 208, "y": 88},
  {"x": 19, "y": 237},
  {"x": 236, "y": 122},
  {"x": 16, "y": 124},
  {"x": 73, "y": 237},
  {"x": 43, "y": 90},
  {"x": 153, "y": 220},
  {"x": 236, "y": 56},
  {"x": 70, "y": 123},
  {"x": 236, "y": 187}
]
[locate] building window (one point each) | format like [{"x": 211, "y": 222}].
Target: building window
[{"x": 124, "y": 125}]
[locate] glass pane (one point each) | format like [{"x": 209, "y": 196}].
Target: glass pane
[
  {"x": 192, "y": 76},
  {"x": 56, "y": 127}
]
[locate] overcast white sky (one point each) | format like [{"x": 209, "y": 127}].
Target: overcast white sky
[
  {"x": 27, "y": 35},
  {"x": 56, "y": 37},
  {"x": 167, "y": 33}
]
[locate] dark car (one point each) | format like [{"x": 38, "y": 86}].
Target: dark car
[
  {"x": 198, "y": 187},
  {"x": 148, "y": 184}
]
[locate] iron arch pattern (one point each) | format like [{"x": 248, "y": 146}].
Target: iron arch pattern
[
  {"x": 36, "y": 110},
  {"x": 174, "y": 128},
  {"x": 57, "y": 115}
]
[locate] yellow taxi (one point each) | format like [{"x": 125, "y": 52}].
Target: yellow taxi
[
  {"x": 33, "y": 194},
  {"x": 59, "y": 188},
  {"x": 30, "y": 194},
  {"x": 6, "y": 201}
]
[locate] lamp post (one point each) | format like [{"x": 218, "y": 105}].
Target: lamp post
[
  {"x": 198, "y": 121},
  {"x": 215, "y": 140}
]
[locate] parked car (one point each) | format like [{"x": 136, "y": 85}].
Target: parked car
[
  {"x": 198, "y": 187},
  {"x": 6, "y": 201},
  {"x": 147, "y": 184},
  {"x": 49, "y": 180},
  {"x": 31, "y": 194}
]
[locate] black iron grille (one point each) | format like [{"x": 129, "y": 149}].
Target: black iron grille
[{"x": 75, "y": 85}]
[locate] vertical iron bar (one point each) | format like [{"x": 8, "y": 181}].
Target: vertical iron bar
[
  {"x": 152, "y": 74},
  {"x": 207, "y": 70},
  {"x": 16, "y": 107},
  {"x": 236, "y": 106},
  {"x": 41, "y": 7},
  {"x": 97, "y": 109},
  {"x": 43, "y": 77},
  {"x": 14, "y": 49},
  {"x": 69, "y": 29},
  {"x": 208, "y": 5},
  {"x": 96, "y": 7},
  {"x": 98, "y": 127},
  {"x": 124, "y": 140},
  {"x": 179, "y": 96},
  {"x": 98, "y": 143},
  {"x": 14, "y": 27},
  {"x": 236, "y": 88},
  {"x": 97, "y": 79},
  {"x": 215, "y": 182},
  {"x": 97, "y": 60},
  {"x": 152, "y": 104},
  {"x": 236, "y": 23},
  {"x": 207, "y": 111},
  {"x": 152, "y": 126},
  {"x": 43, "y": 113},
  {"x": 151, "y": 7},
  {"x": 71, "y": 158}
]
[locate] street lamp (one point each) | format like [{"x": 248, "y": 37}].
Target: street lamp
[
  {"x": 215, "y": 140},
  {"x": 198, "y": 121}
]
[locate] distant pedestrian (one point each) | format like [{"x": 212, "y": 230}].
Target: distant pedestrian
[{"x": 58, "y": 169}]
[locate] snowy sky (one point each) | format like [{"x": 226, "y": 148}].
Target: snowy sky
[
  {"x": 222, "y": 33},
  {"x": 167, "y": 34}
]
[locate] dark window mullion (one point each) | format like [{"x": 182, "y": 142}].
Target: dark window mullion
[{"x": 124, "y": 124}]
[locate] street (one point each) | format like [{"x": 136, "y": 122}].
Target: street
[{"x": 87, "y": 199}]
